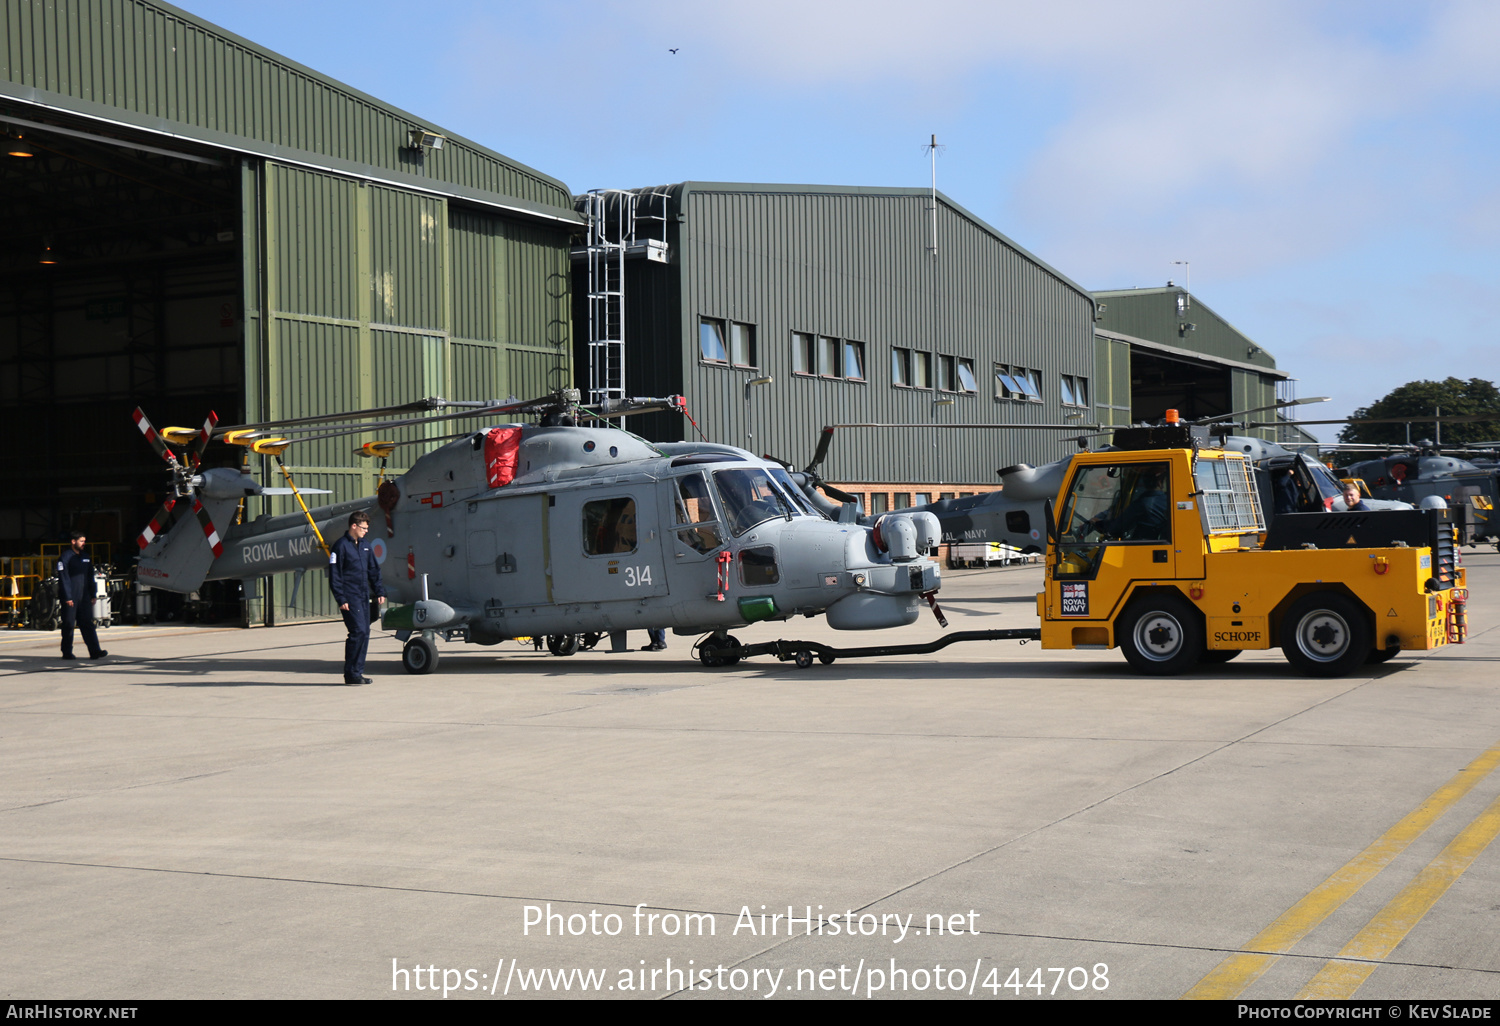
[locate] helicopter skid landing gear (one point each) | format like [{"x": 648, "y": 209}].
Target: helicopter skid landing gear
[{"x": 420, "y": 654}]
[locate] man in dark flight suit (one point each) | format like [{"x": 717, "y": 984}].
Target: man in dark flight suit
[
  {"x": 354, "y": 575},
  {"x": 1145, "y": 519},
  {"x": 76, "y": 590}
]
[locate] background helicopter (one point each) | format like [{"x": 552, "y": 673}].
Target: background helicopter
[
  {"x": 554, "y": 529},
  {"x": 1419, "y": 473},
  {"x": 1015, "y": 515}
]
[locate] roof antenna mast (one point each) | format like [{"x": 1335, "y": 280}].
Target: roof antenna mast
[{"x": 933, "y": 149}]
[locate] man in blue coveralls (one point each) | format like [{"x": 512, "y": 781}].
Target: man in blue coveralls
[
  {"x": 354, "y": 576},
  {"x": 76, "y": 590}
]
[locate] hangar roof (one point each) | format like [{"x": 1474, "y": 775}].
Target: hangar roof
[
  {"x": 154, "y": 68},
  {"x": 684, "y": 189}
]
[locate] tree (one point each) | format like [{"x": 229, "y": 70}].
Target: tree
[{"x": 1420, "y": 401}]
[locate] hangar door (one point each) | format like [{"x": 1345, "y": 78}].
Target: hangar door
[
  {"x": 346, "y": 310},
  {"x": 360, "y": 295}
]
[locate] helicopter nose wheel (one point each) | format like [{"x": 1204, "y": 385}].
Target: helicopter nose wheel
[{"x": 420, "y": 655}]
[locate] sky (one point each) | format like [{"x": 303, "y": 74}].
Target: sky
[{"x": 1328, "y": 169}]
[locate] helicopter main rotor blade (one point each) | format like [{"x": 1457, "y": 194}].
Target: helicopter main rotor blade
[
  {"x": 243, "y": 436},
  {"x": 1459, "y": 418},
  {"x": 430, "y": 403},
  {"x": 1279, "y": 404},
  {"x": 821, "y": 453},
  {"x": 984, "y": 427}
]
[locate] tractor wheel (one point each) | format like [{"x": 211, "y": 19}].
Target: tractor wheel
[
  {"x": 1326, "y": 634},
  {"x": 1159, "y": 635}
]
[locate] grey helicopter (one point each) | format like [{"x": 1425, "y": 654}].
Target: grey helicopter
[
  {"x": 1427, "y": 473},
  {"x": 559, "y": 528}
]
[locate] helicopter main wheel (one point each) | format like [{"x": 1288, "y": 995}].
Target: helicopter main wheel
[
  {"x": 826, "y": 658},
  {"x": 420, "y": 655},
  {"x": 563, "y": 644},
  {"x": 1159, "y": 635},
  {"x": 1326, "y": 634},
  {"x": 726, "y": 653},
  {"x": 804, "y": 659}
]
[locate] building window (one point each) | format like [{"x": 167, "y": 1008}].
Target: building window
[
  {"x": 742, "y": 345},
  {"x": 966, "y": 382},
  {"x": 947, "y": 374},
  {"x": 854, "y": 360},
  {"x": 1075, "y": 390},
  {"x": 827, "y": 357},
  {"x": 923, "y": 498},
  {"x": 802, "y": 353},
  {"x": 921, "y": 370},
  {"x": 727, "y": 342},
  {"x": 901, "y": 367},
  {"x": 1017, "y": 383},
  {"x": 903, "y": 500},
  {"x": 711, "y": 341},
  {"x": 879, "y": 502}
]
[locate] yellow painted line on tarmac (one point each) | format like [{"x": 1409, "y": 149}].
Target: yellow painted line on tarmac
[
  {"x": 1338, "y": 980},
  {"x": 1231, "y": 976}
]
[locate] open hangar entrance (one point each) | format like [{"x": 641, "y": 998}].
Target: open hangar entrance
[
  {"x": 120, "y": 285},
  {"x": 1161, "y": 381}
]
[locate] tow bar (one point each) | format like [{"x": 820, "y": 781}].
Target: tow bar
[{"x": 803, "y": 652}]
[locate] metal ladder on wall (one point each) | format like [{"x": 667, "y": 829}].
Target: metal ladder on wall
[
  {"x": 621, "y": 223},
  {"x": 609, "y": 212}
]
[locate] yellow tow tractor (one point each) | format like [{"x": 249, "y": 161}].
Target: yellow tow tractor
[{"x": 1160, "y": 547}]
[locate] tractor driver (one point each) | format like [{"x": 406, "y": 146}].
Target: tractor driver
[
  {"x": 354, "y": 575},
  {"x": 1145, "y": 519}
]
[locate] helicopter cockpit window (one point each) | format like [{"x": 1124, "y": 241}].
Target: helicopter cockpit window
[
  {"x": 1328, "y": 486},
  {"x": 790, "y": 488},
  {"x": 750, "y": 498},
  {"x": 695, "y": 509},
  {"x": 609, "y": 526}
]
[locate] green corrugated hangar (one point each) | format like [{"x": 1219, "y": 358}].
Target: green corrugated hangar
[
  {"x": 861, "y": 305},
  {"x": 195, "y": 223},
  {"x": 777, "y": 309},
  {"x": 1166, "y": 350}
]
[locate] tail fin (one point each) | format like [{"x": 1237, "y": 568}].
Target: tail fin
[{"x": 179, "y": 558}]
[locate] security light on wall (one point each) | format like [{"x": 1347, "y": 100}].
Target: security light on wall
[
  {"x": 16, "y": 146},
  {"x": 421, "y": 139}
]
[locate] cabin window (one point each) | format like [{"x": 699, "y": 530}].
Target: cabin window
[{"x": 609, "y": 526}]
